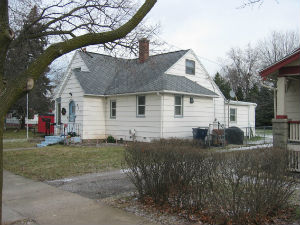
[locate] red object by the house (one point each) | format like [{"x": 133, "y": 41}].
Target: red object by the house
[{"x": 42, "y": 124}]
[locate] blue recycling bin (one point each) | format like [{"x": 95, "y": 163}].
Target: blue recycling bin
[{"x": 199, "y": 133}]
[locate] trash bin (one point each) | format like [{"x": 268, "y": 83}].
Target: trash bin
[
  {"x": 199, "y": 133},
  {"x": 234, "y": 135}
]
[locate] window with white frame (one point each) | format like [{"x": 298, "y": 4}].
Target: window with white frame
[
  {"x": 141, "y": 105},
  {"x": 232, "y": 114},
  {"x": 190, "y": 67},
  {"x": 178, "y": 106},
  {"x": 113, "y": 109},
  {"x": 58, "y": 111}
]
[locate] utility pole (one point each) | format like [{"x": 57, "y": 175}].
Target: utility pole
[{"x": 27, "y": 115}]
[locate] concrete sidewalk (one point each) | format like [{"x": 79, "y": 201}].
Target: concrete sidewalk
[{"x": 39, "y": 203}]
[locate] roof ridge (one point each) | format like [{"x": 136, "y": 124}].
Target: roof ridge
[{"x": 165, "y": 53}]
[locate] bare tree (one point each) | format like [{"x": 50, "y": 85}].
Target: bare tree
[
  {"x": 241, "y": 69},
  {"x": 70, "y": 25},
  {"x": 276, "y": 46}
]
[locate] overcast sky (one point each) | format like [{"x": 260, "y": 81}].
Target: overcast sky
[{"x": 212, "y": 27}]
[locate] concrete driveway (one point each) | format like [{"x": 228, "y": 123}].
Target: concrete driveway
[
  {"x": 39, "y": 203},
  {"x": 96, "y": 185}
]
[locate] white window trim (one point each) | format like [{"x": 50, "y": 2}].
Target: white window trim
[
  {"x": 233, "y": 121},
  {"x": 182, "y": 98},
  {"x": 111, "y": 116},
  {"x": 137, "y": 106}
]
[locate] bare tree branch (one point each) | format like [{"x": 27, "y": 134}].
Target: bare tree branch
[{"x": 56, "y": 50}]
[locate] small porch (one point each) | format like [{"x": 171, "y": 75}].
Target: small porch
[{"x": 286, "y": 124}]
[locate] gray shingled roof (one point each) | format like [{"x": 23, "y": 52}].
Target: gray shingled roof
[{"x": 110, "y": 76}]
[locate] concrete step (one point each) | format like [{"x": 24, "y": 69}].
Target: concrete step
[{"x": 50, "y": 140}]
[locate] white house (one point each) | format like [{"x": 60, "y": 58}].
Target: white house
[{"x": 159, "y": 96}]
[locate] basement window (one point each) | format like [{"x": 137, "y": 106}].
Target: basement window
[{"x": 190, "y": 67}]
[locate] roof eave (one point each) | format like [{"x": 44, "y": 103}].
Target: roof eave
[
  {"x": 155, "y": 92},
  {"x": 281, "y": 63}
]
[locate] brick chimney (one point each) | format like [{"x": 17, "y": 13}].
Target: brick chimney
[{"x": 143, "y": 50}]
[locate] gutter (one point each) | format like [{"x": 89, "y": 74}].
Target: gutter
[{"x": 155, "y": 92}]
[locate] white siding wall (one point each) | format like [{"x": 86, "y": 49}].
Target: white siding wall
[
  {"x": 77, "y": 62},
  {"x": 245, "y": 116},
  {"x": 293, "y": 100},
  {"x": 203, "y": 79},
  {"x": 72, "y": 86},
  {"x": 198, "y": 114},
  {"x": 94, "y": 118},
  {"x": 147, "y": 127}
]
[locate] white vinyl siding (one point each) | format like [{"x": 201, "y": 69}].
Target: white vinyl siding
[
  {"x": 72, "y": 86},
  {"x": 197, "y": 114},
  {"x": 245, "y": 116},
  {"x": 94, "y": 118},
  {"x": 147, "y": 128},
  {"x": 202, "y": 78}
]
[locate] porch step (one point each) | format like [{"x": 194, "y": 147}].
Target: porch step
[{"x": 50, "y": 140}]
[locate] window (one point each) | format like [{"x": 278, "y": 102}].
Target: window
[
  {"x": 190, "y": 67},
  {"x": 232, "y": 115},
  {"x": 141, "y": 105},
  {"x": 58, "y": 111},
  {"x": 178, "y": 110},
  {"x": 113, "y": 109},
  {"x": 72, "y": 110}
]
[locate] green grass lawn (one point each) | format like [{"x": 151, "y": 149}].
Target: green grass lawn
[
  {"x": 19, "y": 144},
  {"x": 21, "y": 134},
  {"x": 57, "y": 162}
]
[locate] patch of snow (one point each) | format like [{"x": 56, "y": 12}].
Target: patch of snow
[{"x": 243, "y": 148}]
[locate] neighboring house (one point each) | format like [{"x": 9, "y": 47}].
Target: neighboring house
[
  {"x": 11, "y": 120},
  {"x": 33, "y": 121},
  {"x": 151, "y": 97},
  {"x": 286, "y": 129}
]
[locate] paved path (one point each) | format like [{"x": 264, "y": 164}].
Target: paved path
[
  {"x": 43, "y": 204},
  {"x": 96, "y": 185}
]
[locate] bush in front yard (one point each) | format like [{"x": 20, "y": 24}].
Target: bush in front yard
[
  {"x": 239, "y": 187},
  {"x": 251, "y": 185}
]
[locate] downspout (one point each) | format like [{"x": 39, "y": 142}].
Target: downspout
[
  {"x": 228, "y": 112},
  {"x": 161, "y": 115},
  {"x": 224, "y": 113},
  {"x": 249, "y": 121},
  {"x": 105, "y": 116},
  {"x": 275, "y": 103}
]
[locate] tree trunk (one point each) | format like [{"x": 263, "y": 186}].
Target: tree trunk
[
  {"x": 10, "y": 92},
  {"x": 1, "y": 162}
]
